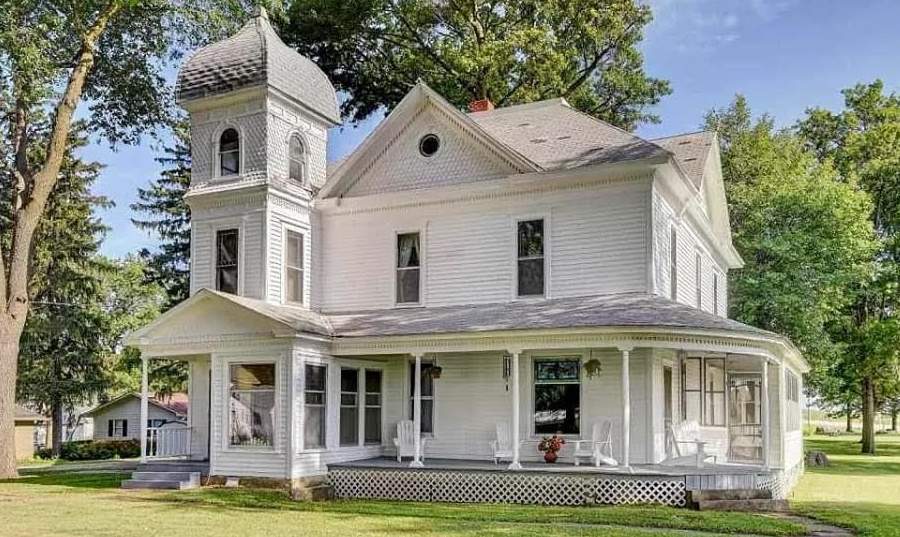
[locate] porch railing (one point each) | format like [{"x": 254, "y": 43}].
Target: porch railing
[{"x": 168, "y": 442}]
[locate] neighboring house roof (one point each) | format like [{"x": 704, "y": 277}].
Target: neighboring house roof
[
  {"x": 620, "y": 310},
  {"x": 178, "y": 409},
  {"x": 691, "y": 151},
  {"x": 256, "y": 56},
  {"x": 24, "y": 414},
  {"x": 556, "y": 136}
]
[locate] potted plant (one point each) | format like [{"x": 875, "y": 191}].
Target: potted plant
[{"x": 551, "y": 446}]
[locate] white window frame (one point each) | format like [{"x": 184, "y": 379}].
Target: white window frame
[
  {"x": 239, "y": 261},
  {"x": 214, "y": 228},
  {"x": 515, "y": 255},
  {"x": 217, "y": 154},
  {"x": 698, "y": 278},
  {"x": 395, "y": 269},
  {"x": 305, "y": 182},
  {"x": 703, "y": 391},
  {"x": 325, "y": 405},
  {"x": 359, "y": 393},
  {"x": 366, "y": 406},
  {"x": 410, "y": 398},
  {"x": 118, "y": 428},
  {"x": 285, "y": 231},
  {"x": 532, "y": 382},
  {"x": 261, "y": 359}
]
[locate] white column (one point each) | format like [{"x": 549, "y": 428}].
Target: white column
[
  {"x": 626, "y": 406},
  {"x": 515, "y": 465},
  {"x": 144, "y": 395},
  {"x": 417, "y": 413},
  {"x": 764, "y": 411},
  {"x": 290, "y": 421}
]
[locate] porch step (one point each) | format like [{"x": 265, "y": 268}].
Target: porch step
[
  {"x": 730, "y": 494},
  {"x": 166, "y": 476},
  {"x": 163, "y": 480},
  {"x": 759, "y": 505},
  {"x": 172, "y": 466}
]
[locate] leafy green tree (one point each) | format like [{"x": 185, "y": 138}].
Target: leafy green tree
[
  {"x": 863, "y": 142},
  {"x": 508, "y": 51},
  {"x": 53, "y": 55},
  {"x": 803, "y": 231}
]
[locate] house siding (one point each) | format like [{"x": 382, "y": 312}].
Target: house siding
[{"x": 129, "y": 409}]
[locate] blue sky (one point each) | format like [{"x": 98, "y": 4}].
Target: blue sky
[{"x": 784, "y": 55}]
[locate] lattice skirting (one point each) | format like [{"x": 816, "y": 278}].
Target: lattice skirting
[
  {"x": 781, "y": 482},
  {"x": 504, "y": 487}
]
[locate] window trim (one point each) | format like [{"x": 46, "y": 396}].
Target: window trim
[
  {"x": 673, "y": 262},
  {"x": 358, "y": 406},
  {"x": 698, "y": 278},
  {"x": 554, "y": 357},
  {"x": 395, "y": 269},
  {"x": 304, "y": 390},
  {"x": 715, "y": 293},
  {"x": 217, "y": 157},
  {"x": 304, "y": 143},
  {"x": 276, "y": 420},
  {"x": 366, "y": 406},
  {"x": 285, "y": 230},
  {"x": 703, "y": 391},
  {"x": 410, "y": 396},
  {"x": 239, "y": 262},
  {"x": 119, "y": 427},
  {"x": 515, "y": 256}
]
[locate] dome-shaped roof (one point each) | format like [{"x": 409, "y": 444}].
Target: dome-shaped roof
[{"x": 255, "y": 56}]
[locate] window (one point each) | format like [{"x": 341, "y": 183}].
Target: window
[
  {"x": 557, "y": 396},
  {"x": 673, "y": 263},
  {"x": 703, "y": 391},
  {"x": 229, "y": 153},
  {"x": 429, "y": 145},
  {"x": 408, "y": 267},
  {"x": 314, "y": 406},
  {"x": 792, "y": 394},
  {"x": 117, "y": 428},
  {"x": 373, "y": 407},
  {"x": 252, "y": 389},
  {"x": 349, "y": 424},
  {"x": 296, "y": 160},
  {"x": 293, "y": 267},
  {"x": 698, "y": 280},
  {"x": 530, "y": 258},
  {"x": 227, "y": 261},
  {"x": 716, "y": 293},
  {"x": 427, "y": 396}
]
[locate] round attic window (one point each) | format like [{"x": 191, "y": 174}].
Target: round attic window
[{"x": 429, "y": 145}]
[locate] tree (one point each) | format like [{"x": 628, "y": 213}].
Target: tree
[
  {"x": 169, "y": 218},
  {"x": 804, "y": 234},
  {"x": 54, "y": 54},
  {"x": 863, "y": 141},
  {"x": 508, "y": 51}
]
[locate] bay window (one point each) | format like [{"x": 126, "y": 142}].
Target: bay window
[
  {"x": 557, "y": 396},
  {"x": 252, "y": 404},
  {"x": 349, "y": 418},
  {"x": 314, "y": 406}
]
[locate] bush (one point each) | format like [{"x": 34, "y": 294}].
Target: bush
[{"x": 91, "y": 450}]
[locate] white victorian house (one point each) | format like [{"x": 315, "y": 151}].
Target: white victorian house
[{"x": 459, "y": 287}]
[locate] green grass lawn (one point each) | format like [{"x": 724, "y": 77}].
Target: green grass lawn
[
  {"x": 860, "y": 492},
  {"x": 91, "y": 504}
]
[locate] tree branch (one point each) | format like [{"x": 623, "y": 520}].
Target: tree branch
[{"x": 590, "y": 68}]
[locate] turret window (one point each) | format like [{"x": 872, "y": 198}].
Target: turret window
[
  {"x": 229, "y": 153},
  {"x": 293, "y": 266},
  {"x": 227, "y": 261},
  {"x": 297, "y": 160}
]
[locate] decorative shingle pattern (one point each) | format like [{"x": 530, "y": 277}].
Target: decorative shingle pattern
[
  {"x": 691, "y": 151},
  {"x": 556, "y": 136},
  {"x": 623, "y": 310},
  {"x": 256, "y": 56}
]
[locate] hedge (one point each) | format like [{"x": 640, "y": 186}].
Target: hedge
[{"x": 90, "y": 450}]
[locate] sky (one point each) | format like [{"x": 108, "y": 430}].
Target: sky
[{"x": 783, "y": 55}]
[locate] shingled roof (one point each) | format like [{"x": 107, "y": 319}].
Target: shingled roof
[
  {"x": 691, "y": 151},
  {"x": 256, "y": 56}
]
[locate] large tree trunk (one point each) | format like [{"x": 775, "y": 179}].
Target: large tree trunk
[
  {"x": 57, "y": 414},
  {"x": 868, "y": 416},
  {"x": 10, "y": 330},
  {"x": 894, "y": 411}
]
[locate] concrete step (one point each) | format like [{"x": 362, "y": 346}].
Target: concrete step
[
  {"x": 158, "y": 485},
  {"x": 193, "y": 477},
  {"x": 186, "y": 466},
  {"x": 752, "y": 505},
  {"x": 730, "y": 494}
]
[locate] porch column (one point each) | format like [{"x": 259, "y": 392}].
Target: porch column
[
  {"x": 143, "y": 423},
  {"x": 764, "y": 411},
  {"x": 626, "y": 406},
  {"x": 417, "y": 412},
  {"x": 514, "y": 365}
]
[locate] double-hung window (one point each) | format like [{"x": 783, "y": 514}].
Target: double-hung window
[
  {"x": 293, "y": 267},
  {"x": 557, "y": 396},
  {"x": 530, "y": 258},
  {"x": 314, "y": 406},
  {"x": 408, "y": 268},
  {"x": 373, "y": 407},
  {"x": 252, "y": 401},
  {"x": 296, "y": 160},
  {"x": 703, "y": 391},
  {"x": 117, "y": 428},
  {"x": 227, "y": 261},
  {"x": 349, "y": 418},
  {"x": 427, "y": 396}
]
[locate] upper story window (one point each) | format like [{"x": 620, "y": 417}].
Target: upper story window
[
  {"x": 293, "y": 267},
  {"x": 673, "y": 263},
  {"x": 429, "y": 145},
  {"x": 229, "y": 153},
  {"x": 698, "y": 280},
  {"x": 227, "y": 261},
  {"x": 297, "y": 160},
  {"x": 408, "y": 268},
  {"x": 715, "y": 293},
  {"x": 530, "y": 263}
]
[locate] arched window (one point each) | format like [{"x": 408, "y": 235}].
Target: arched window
[
  {"x": 296, "y": 160},
  {"x": 229, "y": 153}
]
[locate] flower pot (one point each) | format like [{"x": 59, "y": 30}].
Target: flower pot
[
  {"x": 550, "y": 456},
  {"x": 436, "y": 372}
]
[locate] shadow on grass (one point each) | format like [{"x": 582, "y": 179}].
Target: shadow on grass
[
  {"x": 866, "y": 518},
  {"x": 846, "y": 459},
  {"x": 74, "y": 480}
]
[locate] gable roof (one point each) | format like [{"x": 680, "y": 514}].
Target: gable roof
[
  {"x": 25, "y": 414},
  {"x": 691, "y": 151},
  {"x": 558, "y": 137},
  {"x": 177, "y": 406}
]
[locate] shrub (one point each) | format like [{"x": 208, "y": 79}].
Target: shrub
[{"x": 90, "y": 450}]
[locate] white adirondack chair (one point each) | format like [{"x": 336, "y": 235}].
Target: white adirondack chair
[
  {"x": 405, "y": 442},
  {"x": 689, "y": 446},
  {"x": 599, "y": 447},
  {"x": 501, "y": 447}
]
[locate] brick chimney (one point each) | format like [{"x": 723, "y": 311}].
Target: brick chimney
[{"x": 481, "y": 105}]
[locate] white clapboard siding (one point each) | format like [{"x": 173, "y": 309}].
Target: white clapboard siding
[
  {"x": 252, "y": 263},
  {"x": 282, "y": 217},
  {"x": 127, "y": 409}
]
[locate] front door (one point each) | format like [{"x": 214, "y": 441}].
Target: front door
[{"x": 744, "y": 418}]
